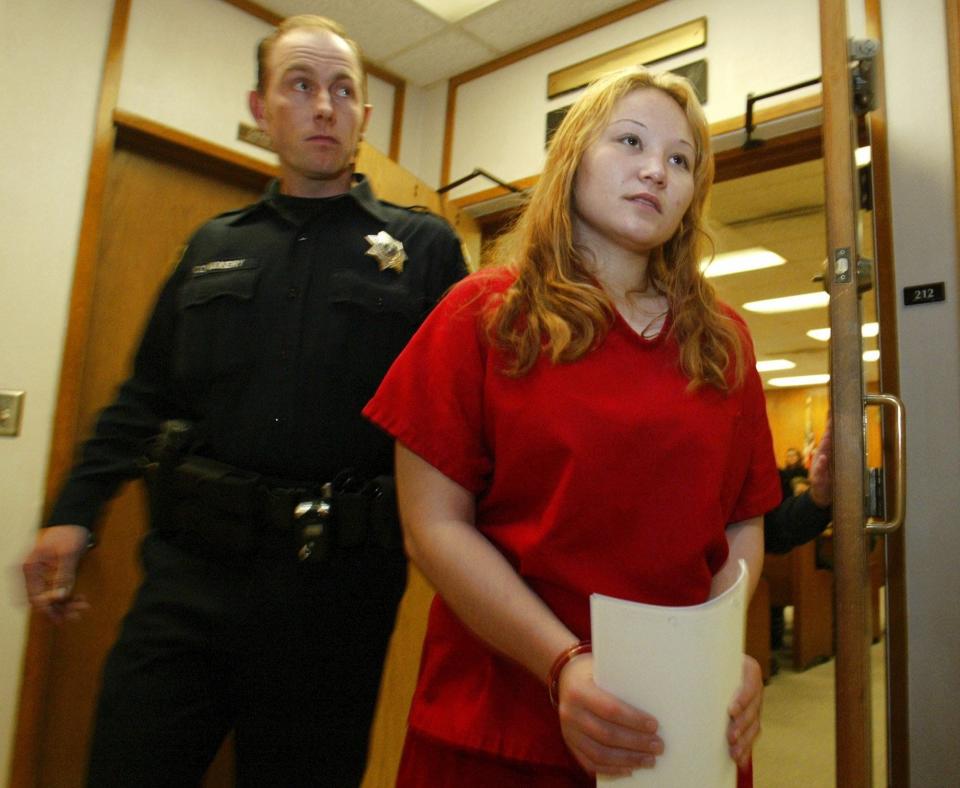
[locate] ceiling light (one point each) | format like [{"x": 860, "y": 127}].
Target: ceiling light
[
  {"x": 823, "y": 334},
  {"x": 739, "y": 261},
  {"x": 871, "y": 355},
  {"x": 774, "y": 365},
  {"x": 800, "y": 380},
  {"x": 454, "y": 10},
  {"x": 862, "y": 156},
  {"x": 792, "y": 303}
]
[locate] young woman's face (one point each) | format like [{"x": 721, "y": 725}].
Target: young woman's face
[{"x": 635, "y": 182}]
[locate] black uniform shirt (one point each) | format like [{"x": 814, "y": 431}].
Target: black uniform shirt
[{"x": 272, "y": 333}]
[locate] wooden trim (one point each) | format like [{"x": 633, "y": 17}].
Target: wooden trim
[
  {"x": 493, "y": 192},
  {"x": 398, "y": 83},
  {"x": 853, "y": 635},
  {"x": 520, "y": 54},
  {"x": 782, "y": 151},
  {"x": 257, "y": 10},
  {"x": 396, "y": 125},
  {"x": 448, "y": 124},
  {"x": 381, "y": 73},
  {"x": 768, "y": 114},
  {"x": 178, "y": 146},
  {"x": 898, "y": 728},
  {"x": 30, "y": 715}
]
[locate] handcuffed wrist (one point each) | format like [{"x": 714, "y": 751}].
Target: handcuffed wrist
[{"x": 553, "y": 676}]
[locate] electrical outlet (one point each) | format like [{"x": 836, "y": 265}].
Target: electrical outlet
[{"x": 11, "y": 410}]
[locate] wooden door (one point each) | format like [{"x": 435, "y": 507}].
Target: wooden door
[{"x": 152, "y": 206}]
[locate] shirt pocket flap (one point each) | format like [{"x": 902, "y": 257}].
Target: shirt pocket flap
[
  {"x": 348, "y": 288},
  {"x": 209, "y": 282}
]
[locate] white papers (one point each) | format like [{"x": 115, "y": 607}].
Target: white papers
[{"x": 682, "y": 665}]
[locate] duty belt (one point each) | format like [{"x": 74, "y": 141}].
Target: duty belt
[{"x": 227, "y": 508}]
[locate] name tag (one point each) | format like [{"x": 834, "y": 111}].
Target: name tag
[{"x": 219, "y": 265}]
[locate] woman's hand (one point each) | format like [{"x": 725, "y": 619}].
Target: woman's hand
[
  {"x": 744, "y": 712},
  {"x": 605, "y": 735}
]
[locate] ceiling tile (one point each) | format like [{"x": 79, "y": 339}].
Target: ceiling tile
[
  {"x": 439, "y": 57},
  {"x": 381, "y": 27},
  {"x": 511, "y": 24}
]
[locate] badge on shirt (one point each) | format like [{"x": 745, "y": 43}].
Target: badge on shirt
[{"x": 388, "y": 251}]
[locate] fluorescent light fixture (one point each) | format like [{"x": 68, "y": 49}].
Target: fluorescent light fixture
[
  {"x": 871, "y": 355},
  {"x": 792, "y": 303},
  {"x": 454, "y": 10},
  {"x": 800, "y": 380},
  {"x": 774, "y": 365},
  {"x": 823, "y": 334},
  {"x": 737, "y": 262},
  {"x": 862, "y": 156}
]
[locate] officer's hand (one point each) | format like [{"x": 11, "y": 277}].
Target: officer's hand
[
  {"x": 821, "y": 480},
  {"x": 51, "y": 569}
]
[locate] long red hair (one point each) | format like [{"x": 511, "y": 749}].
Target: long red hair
[{"x": 555, "y": 305}]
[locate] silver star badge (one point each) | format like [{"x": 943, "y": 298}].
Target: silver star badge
[{"x": 388, "y": 251}]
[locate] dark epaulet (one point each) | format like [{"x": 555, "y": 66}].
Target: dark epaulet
[
  {"x": 413, "y": 208},
  {"x": 234, "y": 212}
]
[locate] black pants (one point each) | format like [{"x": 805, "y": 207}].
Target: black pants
[{"x": 289, "y": 656}]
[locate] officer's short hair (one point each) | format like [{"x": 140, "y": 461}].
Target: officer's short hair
[{"x": 306, "y": 21}]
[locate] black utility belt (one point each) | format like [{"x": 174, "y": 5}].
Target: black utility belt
[{"x": 227, "y": 509}]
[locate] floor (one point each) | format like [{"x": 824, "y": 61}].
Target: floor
[{"x": 796, "y": 749}]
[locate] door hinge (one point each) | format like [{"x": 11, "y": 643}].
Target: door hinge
[{"x": 862, "y": 52}]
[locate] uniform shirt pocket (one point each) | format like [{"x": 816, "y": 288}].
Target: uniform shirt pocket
[
  {"x": 372, "y": 321},
  {"x": 216, "y": 326}
]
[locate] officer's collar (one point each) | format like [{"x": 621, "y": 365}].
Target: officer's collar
[{"x": 360, "y": 194}]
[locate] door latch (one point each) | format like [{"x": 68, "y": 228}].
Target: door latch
[{"x": 862, "y": 52}]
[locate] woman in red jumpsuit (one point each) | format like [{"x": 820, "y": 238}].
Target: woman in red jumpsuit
[{"x": 583, "y": 417}]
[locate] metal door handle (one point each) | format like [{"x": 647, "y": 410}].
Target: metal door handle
[{"x": 900, "y": 475}]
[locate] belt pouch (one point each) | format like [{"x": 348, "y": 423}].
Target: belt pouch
[{"x": 210, "y": 504}]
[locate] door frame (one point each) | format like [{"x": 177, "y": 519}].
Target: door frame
[{"x": 853, "y": 713}]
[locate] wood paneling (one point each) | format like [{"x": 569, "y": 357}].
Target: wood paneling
[
  {"x": 787, "y": 412},
  {"x": 397, "y": 685}
]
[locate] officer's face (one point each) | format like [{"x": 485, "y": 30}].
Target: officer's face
[{"x": 313, "y": 110}]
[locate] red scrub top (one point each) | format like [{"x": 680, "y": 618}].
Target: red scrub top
[{"x": 603, "y": 475}]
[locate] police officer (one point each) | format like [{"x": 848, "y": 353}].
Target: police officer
[{"x": 273, "y": 565}]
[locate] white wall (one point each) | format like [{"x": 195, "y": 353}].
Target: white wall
[
  {"x": 189, "y": 64},
  {"x": 51, "y": 56},
  {"x": 918, "y": 101},
  {"x": 421, "y": 142}
]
